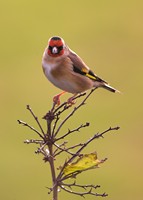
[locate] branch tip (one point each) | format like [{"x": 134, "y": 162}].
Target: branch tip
[
  {"x": 28, "y": 107},
  {"x": 20, "y": 121}
]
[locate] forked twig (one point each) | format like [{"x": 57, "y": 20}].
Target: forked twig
[
  {"x": 74, "y": 110},
  {"x": 74, "y": 184},
  {"x": 32, "y": 128},
  {"x": 72, "y": 131},
  {"x": 82, "y": 194},
  {"x": 77, "y": 153},
  {"x": 36, "y": 119}
]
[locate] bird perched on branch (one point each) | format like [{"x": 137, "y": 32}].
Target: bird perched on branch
[{"x": 67, "y": 71}]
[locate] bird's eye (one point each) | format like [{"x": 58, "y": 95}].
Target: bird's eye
[
  {"x": 50, "y": 48},
  {"x": 60, "y": 48}
]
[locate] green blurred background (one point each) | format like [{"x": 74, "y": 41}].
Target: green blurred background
[{"x": 108, "y": 35}]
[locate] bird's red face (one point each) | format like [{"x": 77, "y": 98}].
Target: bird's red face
[{"x": 55, "y": 47}]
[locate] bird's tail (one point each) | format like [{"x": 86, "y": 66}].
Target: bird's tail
[{"x": 111, "y": 89}]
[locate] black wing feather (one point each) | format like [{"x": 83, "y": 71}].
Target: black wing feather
[
  {"x": 88, "y": 74},
  {"x": 77, "y": 70}
]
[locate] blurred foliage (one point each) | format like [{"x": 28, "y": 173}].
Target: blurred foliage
[{"x": 108, "y": 35}]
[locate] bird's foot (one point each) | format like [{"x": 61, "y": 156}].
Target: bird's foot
[
  {"x": 71, "y": 100},
  {"x": 56, "y": 98}
]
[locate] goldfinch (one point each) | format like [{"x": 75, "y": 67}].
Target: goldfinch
[{"x": 67, "y": 71}]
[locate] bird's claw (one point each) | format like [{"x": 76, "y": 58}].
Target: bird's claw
[
  {"x": 56, "y": 100},
  {"x": 71, "y": 101}
]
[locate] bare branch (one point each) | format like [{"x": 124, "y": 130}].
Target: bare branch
[
  {"x": 74, "y": 110},
  {"x": 74, "y": 130},
  {"x": 32, "y": 141},
  {"x": 36, "y": 119},
  {"x": 82, "y": 194},
  {"x": 64, "y": 105},
  {"x": 50, "y": 190},
  {"x": 63, "y": 149},
  {"x": 55, "y": 124},
  {"x": 41, "y": 149},
  {"x": 82, "y": 147},
  {"x": 76, "y": 145},
  {"x": 49, "y": 148},
  {"x": 90, "y": 140},
  {"x": 70, "y": 185},
  {"x": 33, "y": 129},
  {"x": 72, "y": 147},
  {"x": 60, "y": 145}
]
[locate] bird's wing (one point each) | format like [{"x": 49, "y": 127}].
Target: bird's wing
[{"x": 80, "y": 67}]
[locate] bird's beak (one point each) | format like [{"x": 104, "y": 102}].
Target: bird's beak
[{"x": 54, "y": 50}]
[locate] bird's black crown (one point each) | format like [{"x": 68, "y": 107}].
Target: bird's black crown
[{"x": 55, "y": 38}]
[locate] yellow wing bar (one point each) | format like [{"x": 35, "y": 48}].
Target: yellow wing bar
[{"x": 89, "y": 74}]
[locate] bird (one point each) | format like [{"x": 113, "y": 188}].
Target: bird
[{"x": 67, "y": 71}]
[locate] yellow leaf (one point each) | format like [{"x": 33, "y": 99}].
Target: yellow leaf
[{"x": 85, "y": 162}]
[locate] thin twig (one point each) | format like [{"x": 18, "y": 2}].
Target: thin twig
[
  {"x": 64, "y": 107},
  {"x": 72, "y": 147},
  {"x": 74, "y": 130},
  {"x": 32, "y": 141},
  {"x": 38, "y": 151},
  {"x": 50, "y": 190},
  {"x": 98, "y": 135},
  {"x": 54, "y": 126},
  {"x": 60, "y": 145},
  {"x": 82, "y": 194},
  {"x": 76, "y": 145},
  {"x": 33, "y": 129},
  {"x": 74, "y": 184},
  {"x": 63, "y": 149},
  {"x": 36, "y": 119},
  {"x": 65, "y": 103},
  {"x": 82, "y": 147},
  {"x": 41, "y": 149},
  {"x": 74, "y": 110}
]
